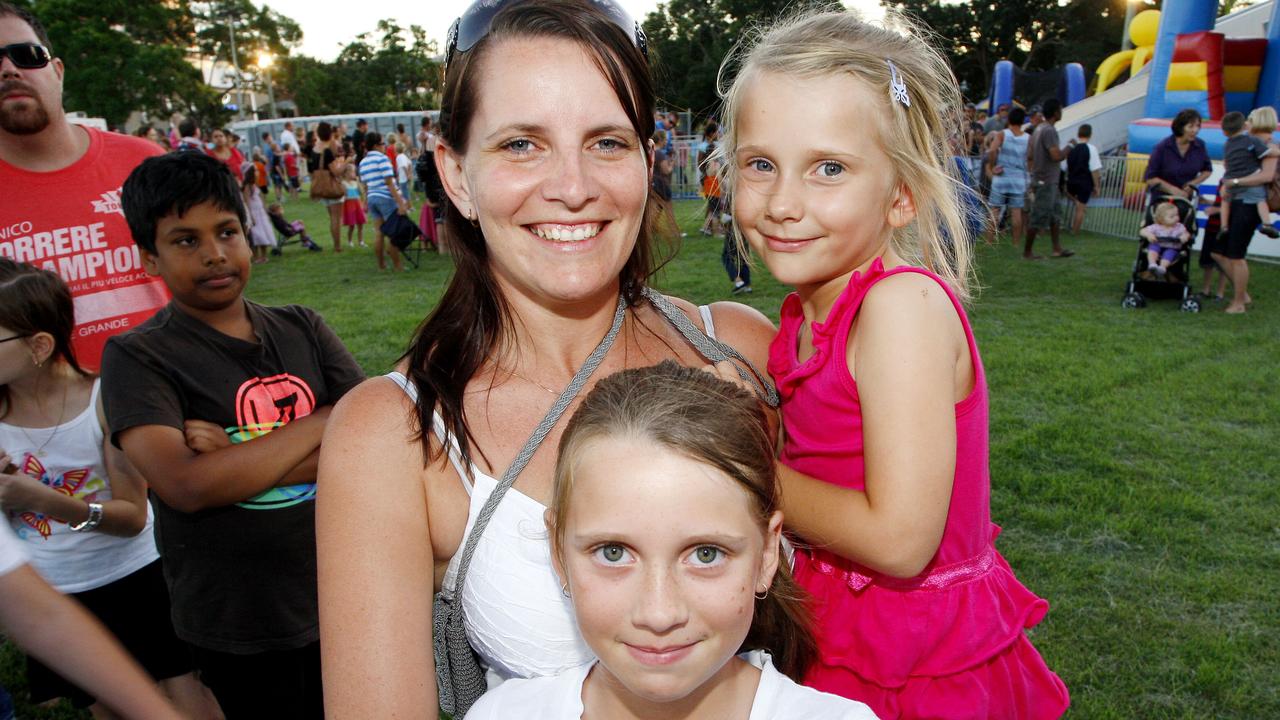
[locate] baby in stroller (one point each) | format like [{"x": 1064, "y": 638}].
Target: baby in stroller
[
  {"x": 1161, "y": 269},
  {"x": 1165, "y": 238},
  {"x": 289, "y": 229}
]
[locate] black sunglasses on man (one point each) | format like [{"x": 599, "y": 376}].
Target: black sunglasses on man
[{"x": 27, "y": 56}]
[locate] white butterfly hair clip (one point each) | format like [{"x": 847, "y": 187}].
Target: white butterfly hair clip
[{"x": 897, "y": 86}]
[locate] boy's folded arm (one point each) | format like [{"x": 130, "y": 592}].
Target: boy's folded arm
[
  {"x": 189, "y": 481},
  {"x": 304, "y": 473}
]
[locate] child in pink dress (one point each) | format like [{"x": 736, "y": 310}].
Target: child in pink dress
[
  {"x": 839, "y": 161},
  {"x": 353, "y": 202}
]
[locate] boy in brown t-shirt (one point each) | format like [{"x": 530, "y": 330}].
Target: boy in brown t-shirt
[{"x": 221, "y": 403}]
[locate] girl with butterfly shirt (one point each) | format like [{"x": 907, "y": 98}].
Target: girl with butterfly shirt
[{"x": 72, "y": 498}]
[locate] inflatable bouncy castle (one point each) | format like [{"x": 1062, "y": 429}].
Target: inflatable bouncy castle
[
  {"x": 1009, "y": 83},
  {"x": 1195, "y": 66},
  {"x": 1142, "y": 33}
]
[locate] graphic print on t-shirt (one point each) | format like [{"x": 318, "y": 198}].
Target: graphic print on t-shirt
[
  {"x": 74, "y": 483},
  {"x": 70, "y": 222},
  {"x": 262, "y": 405}
]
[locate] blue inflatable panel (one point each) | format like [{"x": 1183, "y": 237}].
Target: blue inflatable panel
[
  {"x": 1143, "y": 138},
  {"x": 1180, "y": 99},
  {"x": 1075, "y": 84},
  {"x": 1239, "y": 102},
  {"x": 1144, "y": 134},
  {"x": 1269, "y": 81},
  {"x": 1176, "y": 17},
  {"x": 1001, "y": 85}
]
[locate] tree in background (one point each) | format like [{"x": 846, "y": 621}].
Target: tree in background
[
  {"x": 123, "y": 56},
  {"x": 688, "y": 39},
  {"x": 256, "y": 30},
  {"x": 388, "y": 74},
  {"x": 143, "y": 55},
  {"x": 396, "y": 70}
]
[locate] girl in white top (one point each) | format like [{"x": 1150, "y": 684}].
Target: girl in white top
[
  {"x": 72, "y": 498},
  {"x": 404, "y": 169},
  {"x": 665, "y": 534}
]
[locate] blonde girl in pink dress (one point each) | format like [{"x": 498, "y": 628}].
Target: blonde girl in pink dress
[{"x": 838, "y": 154}]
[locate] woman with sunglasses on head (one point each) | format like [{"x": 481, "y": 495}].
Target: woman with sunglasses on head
[{"x": 545, "y": 157}]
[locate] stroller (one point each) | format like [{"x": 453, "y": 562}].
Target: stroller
[
  {"x": 288, "y": 230},
  {"x": 1144, "y": 285}
]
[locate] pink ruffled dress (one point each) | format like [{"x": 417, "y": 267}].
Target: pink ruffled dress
[{"x": 948, "y": 643}]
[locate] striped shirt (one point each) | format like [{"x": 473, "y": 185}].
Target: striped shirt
[{"x": 374, "y": 168}]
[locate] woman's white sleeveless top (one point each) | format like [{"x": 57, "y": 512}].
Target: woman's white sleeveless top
[{"x": 517, "y": 618}]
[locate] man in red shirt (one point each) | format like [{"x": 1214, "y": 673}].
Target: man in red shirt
[{"x": 61, "y": 207}]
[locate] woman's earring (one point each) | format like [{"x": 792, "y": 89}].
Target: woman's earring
[
  {"x": 762, "y": 596},
  {"x": 564, "y": 590}
]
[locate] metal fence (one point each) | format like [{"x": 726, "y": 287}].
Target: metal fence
[
  {"x": 1117, "y": 203},
  {"x": 685, "y": 178},
  {"x": 1115, "y": 207}
]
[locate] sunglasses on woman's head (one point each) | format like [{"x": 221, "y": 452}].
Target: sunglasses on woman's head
[
  {"x": 475, "y": 23},
  {"x": 26, "y": 55}
]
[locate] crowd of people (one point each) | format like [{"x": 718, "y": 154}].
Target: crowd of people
[
  {"x": 361, "y": 192},
  {"x": 1024, "y": 170},
  {"x": 1022, "y": 164}
]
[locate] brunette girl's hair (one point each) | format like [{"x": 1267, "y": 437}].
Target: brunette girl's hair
[
  {"x": 916, "y": 134},
  {"x": 473, "y": 317},
  {"x": 35, "y": 301},
  {"x": 712, "y": 421}
]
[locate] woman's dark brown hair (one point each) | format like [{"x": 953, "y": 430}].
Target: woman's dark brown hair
[
  {"x": 712, "y": 421},
  {"x": 472, "y": 317},
  {"x": 35, "y": 301},
  {"x": 1183, "y": 119}
]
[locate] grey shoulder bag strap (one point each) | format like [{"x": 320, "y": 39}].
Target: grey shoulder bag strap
[
  {"x": 459, "y": 678},
  {"x": 713, "y": 349}
]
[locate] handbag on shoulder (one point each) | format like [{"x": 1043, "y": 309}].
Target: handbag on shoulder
[{"x": 324, "y": 186}]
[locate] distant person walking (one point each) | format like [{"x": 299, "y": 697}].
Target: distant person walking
[
  {"x": 1043, "y": 155},
  {"x": 404, "y": 170},
  {"x": 189, "y": 139},
  {"x": 1006, "y": 164},
  {"x": 999, "y": 121},
  {"x": 382, "y": 195},
  {"x": 663, "y": 165},
  {"x": 1084, "y": 168},
  {"x": 288, "y": 138},
  {"x": 226, "y": 152},
  {"x": 326, "y": 155},
  {"x": 358, "y": 139}
]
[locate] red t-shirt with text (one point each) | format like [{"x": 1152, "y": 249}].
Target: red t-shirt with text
[{"x": 70, "y": 221}]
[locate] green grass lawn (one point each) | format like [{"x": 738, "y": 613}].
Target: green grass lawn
[{"x": 1133, "y": 457}]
